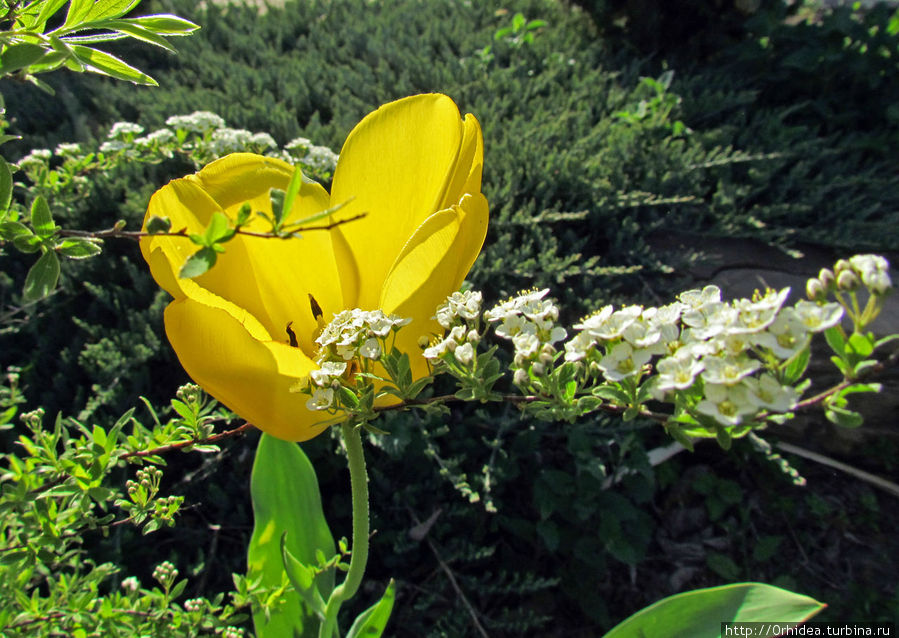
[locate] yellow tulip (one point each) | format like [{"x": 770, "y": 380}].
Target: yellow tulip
[{"x": 413, "y": 167}]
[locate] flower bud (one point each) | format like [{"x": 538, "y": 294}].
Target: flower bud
[
  {"x": 847, "y": 280},
  {"x": 473, "y": 337},
  {"x": 814, "y": 290},
  {"x": 538, "y": 369},
  {"x": 827, "y": 278},
  {"x": 520, "y": 360},
  {"x": 841, "y": 266},
  {"x": 520, "y": 377},
  {"x": 424, "y": 341}
]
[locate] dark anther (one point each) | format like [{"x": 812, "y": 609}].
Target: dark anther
[
  {"x": 316, "y": 309},
  {"x": 291, "y": 335}
]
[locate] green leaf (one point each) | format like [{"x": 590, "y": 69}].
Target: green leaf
[
  {"x": 166, "y": 24},
  {"x": 104, "y": 9},
  {"x": 50, "y": 7},
  {"x": 127, "y": 27},
  {"x": 41, "y": 279},
  {"x": 5, "y": 186},
  {"x": 157, "y": 224},
  {"x": 219, "y": 230},
  {"x": 20, "y": 56},
  {"x": 78, "y": 248},
  {"x": 797, "y": 366},
  {"x": 102, "y": 62},
  {"x": 843, "y": 417},
  {"x": 42, "y": 218},
  {"x": 285, "y": 497},
  {"x": 699, "y": 613},
  {"x": 293, "y": 188},
  {"x": 860, "y": 344},
  {"x": 371, "y": 622},
  {"x": 198, "y": 263},
  {"x": 836, "y": 340},
  {"x": 302, "y": 577},
  {"x": 27, "y": 243},
  {"x": 78, "y": 10},
  {"x": 11, "y": 230}
]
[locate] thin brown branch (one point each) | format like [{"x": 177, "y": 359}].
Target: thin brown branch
[
  {"x": 118, "y": 233},
  {"x": 878, "y": 368},
  {"x": 183, "y": 444}
]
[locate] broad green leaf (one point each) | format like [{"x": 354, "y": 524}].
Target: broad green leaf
[
  {"x": 51, "y": 61},
  {"x": 128, "y": 28},
  {"x": 861, "y": 344},
  {"x": 78, "y": 248},
  {"x": 102, "y": 62},
  {"x": 50, "y": 7},
  {"x": 41, "y": 279},
  {"x": 166, "y": 24},
  {"x": 27, "y": 243},
  {"x": 835, "y": 339},
  {"x": 699, "y": 613},
  {"x": 8, "y": 138},
  {"x": 219, "y": 229},
  {"x": 843, "y": 417},
  {"x": 104, "y": 9},
  {"x": 285, "y": 495},
  {"x": 19, "y": 56},
  {"x": 371, "y": 622},
  {"x": 78, "y": 10},
  {"x": 198, "y": 263},
  {"x": 5, "y": 185},
  {"x": 41, "y": 218},
  {"x": 797, "y": 366}
]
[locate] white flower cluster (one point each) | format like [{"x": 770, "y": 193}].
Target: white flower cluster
[
  {"x": 874, "y": 272},
  {"x": 158, "y": 137},
  {"x": 528, "y": 321},
  {"x": 460, "y": 315},
  {"x": 317, "y": 158},
  {"x": 233, "y": 140},
  {"x": 353, "y": 335},
  {"x": 68, "y": 150},
  {"x": 197, "y": 122},
  {"x": 124, "y": 130},
  {"x": 36, "y": 159},
  {"x": 701, "y": 337}
]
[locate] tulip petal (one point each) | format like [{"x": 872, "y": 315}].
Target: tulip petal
[
  {"x": 270, "y": 278},
  {"x": 395, "y": 166},
  {"x": 219, "y": 350},
  {"x": 467, "y": 177},
  {"x": 432, "y": 264}
]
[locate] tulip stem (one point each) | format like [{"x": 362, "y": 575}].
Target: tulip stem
[{"x": 352, "y": 436}]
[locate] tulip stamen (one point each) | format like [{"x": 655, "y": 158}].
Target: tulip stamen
[
  {"x": 291, "y": 335},
  {"x": 318, "y": 315}
]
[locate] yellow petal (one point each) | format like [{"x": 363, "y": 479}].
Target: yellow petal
[
  {"x": 433, "y": 264},
  {"x": 396, "y": 166},
  {"x": 270, "y": 278},
  {"x": 467, "y": 175},
  {"x": 217, "y": 346}
]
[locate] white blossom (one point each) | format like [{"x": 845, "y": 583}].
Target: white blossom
[{"x": 322, "y": 399}]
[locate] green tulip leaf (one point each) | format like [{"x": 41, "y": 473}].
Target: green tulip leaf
[
  {"x": 286, "y": 499},
  {"x": 41, "y": 279},
  {"x": 699, "y": 613},
  {"x": 371, "y": 622}
]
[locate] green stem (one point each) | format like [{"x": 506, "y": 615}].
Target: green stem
[{"x": 352, "y": 435}]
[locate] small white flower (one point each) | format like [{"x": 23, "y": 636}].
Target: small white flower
[
  {"x": 678, "y": 371},
  {"x": 371, "y": 349},
  {"x": 464, "y": 354},
  {"x": 726, "y": 404},
  {"x": 131, "y": 584},
  {"x": 68, "y": 150},
  {"x": 770, "y": 394},
  {"x": 514, "y": 306},
  {"x": 526, "y": 343},
  {"x": 697, "y": 298},
  {"x": 321, "y": 399},
  {"x": 263, "y": 140},
  {"x": 727, "y": 370},
  {"x": 112, "y": 147},
  {"x": 328, "y": 369},
  {"x": 615, "y": 325},
  {"x": 623, "y": 361},
  {"x": 576, "y": 348},
  {"x": 709, "y": 319},
  {"x": 785, "y": 337},
  {"x": 817, "y": 318}
]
